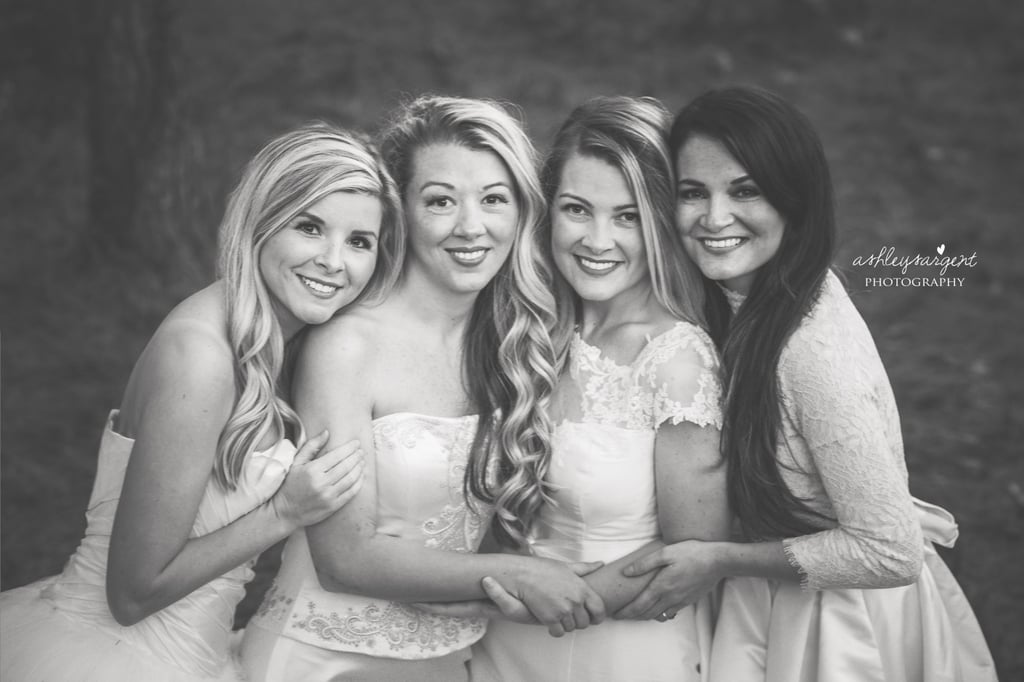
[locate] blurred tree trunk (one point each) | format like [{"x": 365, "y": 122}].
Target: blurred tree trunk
[{"x": 129, "y": 91}]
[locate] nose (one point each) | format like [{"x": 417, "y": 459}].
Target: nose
[
  {"x": 598, "y": 237},
  {"x": 331, "y": 257},
  {"x": 469, "y": 223},
  {"x": 719, "y": 214}
]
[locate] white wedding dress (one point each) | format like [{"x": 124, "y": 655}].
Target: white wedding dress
[
  {"x": 602, "y": 469},
  {"x": 60, "y": 629},
  {"x": 303, "y": 632}
]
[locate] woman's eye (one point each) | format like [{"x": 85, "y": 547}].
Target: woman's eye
[
  {"x": 361, "y": 243},
  {"x": 691, "y": 195},
  {"x": 439, "y": 202},
  {"x": 308, "y": 227},
  {"x": 575, "y": 210},
  {"x": 496, "y": 199},
  {"x": 746, "y": 192},
  {"x": 630, "y": 218}
]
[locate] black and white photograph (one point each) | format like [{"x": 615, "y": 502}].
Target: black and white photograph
[{"x": 511, "y": 341}]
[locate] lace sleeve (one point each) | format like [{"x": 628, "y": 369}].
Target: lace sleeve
[
  {"x": 839, "y": 398},
  {"x": 680, "y": 376}
]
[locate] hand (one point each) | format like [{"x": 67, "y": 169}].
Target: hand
[
  {"x": 557, "y": 596},
  {"x": 687, "y": 572},
  {"x": 317, "y": 486},
  {"x": 500, "y": 604}
]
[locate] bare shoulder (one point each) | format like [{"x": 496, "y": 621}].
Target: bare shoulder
[
  {"x": 351, "y": 337},
  {"x": 187, "y": 361},
  {"x": 194, "y": 334}
]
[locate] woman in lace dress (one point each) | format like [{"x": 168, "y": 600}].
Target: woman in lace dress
[
  {"x": 445, "y": 384},
  {"x": 196, "y": 472},
  {"x": 636, "y": 409},
  {"x": 842, "y": 580}
]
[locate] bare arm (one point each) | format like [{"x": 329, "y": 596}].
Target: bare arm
[
  {"x": 333, "y": 386},
  {"x": 187, "y": 391}
]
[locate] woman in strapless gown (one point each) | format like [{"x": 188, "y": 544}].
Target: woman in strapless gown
[
  {"x": 635, "y": 451},
  {"x": 445, "y": 384},
  {"x": 838, "y": 578},
  {"x": 197, "y": 473}
]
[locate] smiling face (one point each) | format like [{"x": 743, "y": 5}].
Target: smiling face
[
  {"x": 321, "y": 261},
  {"x": 596, "y": 238},
  {"x": 462, "y": 214},
  {"x": 728, "y": 227}
]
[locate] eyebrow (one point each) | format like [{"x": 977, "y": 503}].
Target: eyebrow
[
  {"x": 312, "y": 216},
  {"x": 570, "y": 195},
  {"x": 449, "y": 186},
  {"x": 696, "y": 183},
  {"x": 430, "y": 183},
  {"x": 364, "y": 233}
]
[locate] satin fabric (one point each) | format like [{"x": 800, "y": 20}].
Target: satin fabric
[
  {"x": 61, "y": 628},
  {"x": 926, "y": 632}
]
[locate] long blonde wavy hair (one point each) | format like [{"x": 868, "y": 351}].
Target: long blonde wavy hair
[
  {"x": 508, "y": 364},
  {"x": 291, "y": 173},
  {"x": 630, "y": 134}
]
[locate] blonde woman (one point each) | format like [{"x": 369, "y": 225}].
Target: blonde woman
[
  {"x": 446, "y": 385},
  {"x": 197, "y": 471},
  {"x": 634, "y": 459}
]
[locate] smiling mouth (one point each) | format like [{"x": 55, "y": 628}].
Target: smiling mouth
[
  {"x": 470, "y": 256},
  {"x": 721, "y": 244},
  {"x": 318, "y": 287},
  {"x": 596, "y": 267}
]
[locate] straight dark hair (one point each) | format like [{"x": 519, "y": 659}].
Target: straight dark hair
[{"x": 780, "y": 150}]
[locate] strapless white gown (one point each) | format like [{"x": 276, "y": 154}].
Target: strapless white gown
[
  {"x": 303, "y": 632},
  {"x": 60, "y": 628}
]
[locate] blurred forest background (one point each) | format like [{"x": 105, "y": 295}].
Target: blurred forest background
[{"x": 124, "y": 124}]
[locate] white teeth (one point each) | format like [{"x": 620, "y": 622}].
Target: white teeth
[
  {"x": 722, "y": 243},
  {"x": 317, "y": 286},
  {"x": 468, "y": 256},
  {"x": 598, "y": 264}
]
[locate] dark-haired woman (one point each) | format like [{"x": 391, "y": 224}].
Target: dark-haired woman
[{"x": 838, "y": 578}]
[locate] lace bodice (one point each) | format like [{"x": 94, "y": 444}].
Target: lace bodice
[
  {"x": 421, "y": 461},
  {"x": 192, "y": 633},
  {"x": 840, "y": 447},
  {"x": 602, "y": 459},
  {"x": 673, "y": 378}
]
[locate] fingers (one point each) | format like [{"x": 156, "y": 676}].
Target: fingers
[
  {"x": 641, "y": 604},
  {"x": 580, "y": 617},
  {"x": 341, "y": 474},
  {"x": 582, "y": 568},
  {"x": 659, "y": 611},
  {"x": 506, "y": 603},
  {"x": 646, "y": 564},
  {"x": 556, "y": 630},
  {"x": 349, "y": 487},
  {"x": 337, "y": 456},
  {"x": 311, "y": 448},
  {"x": 595, "y": 607}
]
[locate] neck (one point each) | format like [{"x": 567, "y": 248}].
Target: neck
[
  {"x": 449, "y": 311},
  {"x": 632, "y": 305}
]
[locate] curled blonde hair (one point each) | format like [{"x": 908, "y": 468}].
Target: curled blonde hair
[
  {"x": 288, "y": 175},
  {"x": 508, "y": 362}
]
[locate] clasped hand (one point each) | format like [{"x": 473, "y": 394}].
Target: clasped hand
[
  {"x": 550, "y": 593},
  {"x": 317, "y": 485},
  {"x": 686, "y": 572}
]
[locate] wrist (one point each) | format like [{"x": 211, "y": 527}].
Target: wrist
[
  {"x": 279, "y": 520},
  {"x": 721, "y": 557}
]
